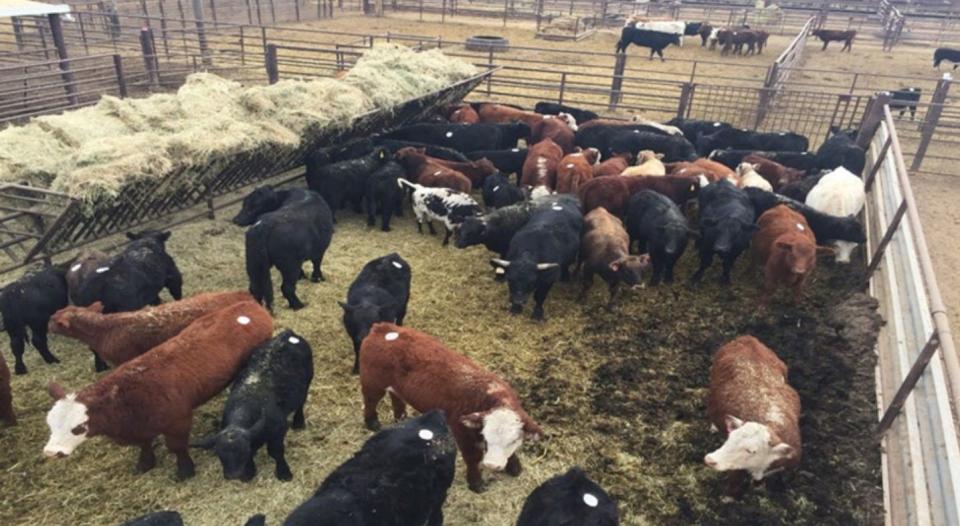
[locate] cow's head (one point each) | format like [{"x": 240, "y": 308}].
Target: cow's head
[
  {"x": 750, "y": 446},
  {"x": 687, "y": 187},
  {"x": 503, "y": 431},
  {"x": 68, "y": 422},
  {"x": 844, "y": 250},
  {"x": 836, "y": 131},
  {"x": 470, "y": 232},
  {"x": 260, "y": 201},
  {"x": 362, "y": 316},
  {"x": 727, "y": 234},
  {"x": 799, "y": 254},
  {"x": 233, "y": 445},
  {"x": 570, "y": 120},
  {"x": 591, "y": 155},
  {"x": 674, "y": 239},
  {"x": 66, "y": 318},
  {"x": 156, "y": 237},
  {"x": 630, "y": 269},
  {"x": 522, "y": 276}
]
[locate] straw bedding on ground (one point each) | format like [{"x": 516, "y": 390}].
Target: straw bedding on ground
[{"x": 621, "y": 394}]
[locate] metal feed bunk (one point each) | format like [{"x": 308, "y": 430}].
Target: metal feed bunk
[{"x": 41, "y": 223}]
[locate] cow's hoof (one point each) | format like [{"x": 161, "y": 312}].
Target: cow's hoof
[
  {"x": 372, "y": 424},
  {"x": 477, "y": 487},
  {"x": 284, "y": 475}
]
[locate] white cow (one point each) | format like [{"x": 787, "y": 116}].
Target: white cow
[
  {"x": 749, "y": 178},
  {"x": 676, "y": 27},
  {"x": 839, "y": 193}
]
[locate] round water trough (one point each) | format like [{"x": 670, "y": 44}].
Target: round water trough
[{"x": 487, "y": 42}]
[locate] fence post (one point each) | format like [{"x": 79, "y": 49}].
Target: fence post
[
  {"x": 563, "y": 87},
  {"x": 686, "y": 91},
  {"x": 539, "y": 7},
  {"x": 18, "y": 31},
  {"x": 213, "y": 12},
  {"x": 273, "y": 69},
  {"x": 201, "y": 32},
  {"x": 69, "y": 84},
  {"x": 933, "y": 118},
  {"x": 615, "y": 87},
  {"x": 871, "y": 119},
  {"x": 149, "y": 56},
  {"x": 121, "y": 80}
]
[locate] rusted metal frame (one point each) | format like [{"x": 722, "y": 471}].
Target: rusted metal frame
[
  {"x": 68, "y": 215},
  {"x": 25, "y": 211},
  {"x": 887, "y": 237},
  {"x": 871, "y": 177},
  {"x": 906, "y": 387},
  {"x": 934, "y": 111},
  {"x": 25, "y": 235}
]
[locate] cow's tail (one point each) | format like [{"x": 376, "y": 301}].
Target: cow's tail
[
  {"x": 401, "y": 182},
  {"x": 258, "y": 263}
]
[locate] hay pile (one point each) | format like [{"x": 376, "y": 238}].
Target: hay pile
[{"x": 93, "y": 153}]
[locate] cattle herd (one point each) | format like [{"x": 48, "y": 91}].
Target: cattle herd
[{"x": 563, "y": 193}]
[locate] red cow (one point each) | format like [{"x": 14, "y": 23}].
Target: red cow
[
  {"x": 613, "y": 192},
  {"x": 155, "y": 393},
  {"x": 476, "y": 171},
  {"x": 719, "y": 169},
  {"x": 687, "y": 169},
  {"x": 787, "y": 248},
  {"x": 758, "y": 411},
  {"x": 420, "y": 169},
  {"x": 556, "y": 129},
  {"x": 463, "y": 114},
  {"x": 483, "y": 411},
  {"x": 6, "y": 396},
  {"x": 613, "y": 166},
  {"x": 775, "y": 173},
  {"x": 575, "y": 170},
  {"x": 540, "y": 166},
  {"x": 605, "y": 250},
  {"x": 499, "y": 113},
  {"x": 121, "y": 337}
]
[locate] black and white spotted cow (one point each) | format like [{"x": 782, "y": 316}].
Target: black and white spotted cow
[{"x": 442, "y": 204}]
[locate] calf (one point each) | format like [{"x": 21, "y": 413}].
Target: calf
[
  {"x": 499, "y": 192},
  {"x": 557, "y": 130},
  {"x": 441, "y": 204},
  {"x": 944, "y": 53},
  {"x": 399, "y": 477},
  {"x": 575, "y": 170},
  {"x": 775, "y": 173},
  {"x": 905, "y": 99},
  {"x": 605, "y": 250},
  {"x": 748, "y": 177},
  {"x": 737, "y": 139},
  {"x": 787, "y": 248},
  {"x": 571, "y": 498},
  {"x": 483, "y": 411},
  {"x": 805, "y": 161},
  {"x": 425, "y": 172},
  {"x": 739, "y": 38},
  {"x": 841, "y": 149},
  {"x": 134, "y": 278},
  {"x": 6, "y": 396},
  {"x": 613, "y": 192},
  {"x": 692, "y": 128},
  {"x": 507, "y": 161},
  {"x": 726, "y": 224},
  {"x": 496, "y": 229},
  {"x": 552, "y": 108},
  {"x": 830, "y": 35},
  {"x": 655, "y": 40},
  {"x": 465, "y": 114},
  {"x": 751, "y": 401},
  {"x": 648, "y": 163},
  {"x": 346, "y": 181},
  {"x": 541, "y": 253},
  {"x": 379, "y": 293},
  {"x": 383, "y": 194},
  {"x": 825, "y": 226},
  {"x": 540, "y": 167},
  {"x": 613, "y": 166},
  {"x": 136, "y": 402},
  {"x": 464, "y": 137},
  {"x": 29, "y": 302},
  {"x": 289, "y": 227},
  {"x": 272, "y": 385},
  {"x": 839, "y": 193},
  {"x": 660, "y": 228},
  {"x": 120, "y": 337},
  {"x": 82, "y": 268}
]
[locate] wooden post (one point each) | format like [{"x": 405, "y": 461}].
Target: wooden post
[
  {"x": 17, "y": 31},
  {"x": 243, "y": 49},
  {"x": 871, "y": 119},
  {"x": 250, "y": 12},
  {"x": 273, "y": 12},
  {"x": 163, "y": 30},
  {"x": 121, "y": 79},
  {"x": 83, "y": 33},
  {"x": 563, "y": 87},
  {"x": 259, "y": 15},
  {"x": 69, "y": 83},
  {"x": 296, "y": 9},
  {"x": 617, "y": 83},
  {"x": 686, "y": 95},
  {"x": 201, "y": 33},
  {"x": 929, "y": 126},
  {"x": 213, "y": 12},
  {"x": 149, "y": 56},
  {"x": 273, "y": 69},
  {"x": 489, "y": 66}
]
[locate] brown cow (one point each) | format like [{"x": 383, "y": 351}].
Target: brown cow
[
  {"x": 613, "y": 166},
  {"x": 686, "y": 169},
  {"x": 605, "y": 250},
  {"x": 575, "y": 170},
  {"x": 787, "y": 248},
  {"x": 557, "y": 129},
  {"x": 613, "y": 192},
  {"x": 463, "y": 114},
  {"x": 500, "y": 113},
  {"x": 82, "y": 267},
  {"x": 121, "y": 337},
  {"x": 424, "y": 172},
  {"x": 830, "y": 35},
  {"x": 758, "y": 411},
  {"x": 476, "y": 171},
  {"x": 540, "y": 166},
  {"x": 155, "y": 393},
  {"x": 6, "y": 396},
  {"x": 720, "y": 169},
  {"x": 483, "y": 411},
  {"x": 775, "y": 173}
]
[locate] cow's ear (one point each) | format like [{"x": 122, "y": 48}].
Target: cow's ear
[
  {"x": 56, "y": 391},
  {"x": 782, "y": 450},
  {"x": 615, "y": 266},
  {"x": 826, "y": 251},
  {"x": 732, "y": 422},
  {"x": 783, "y": 245},
  {"x": 659, "y": 155},
  {"x": 96, "y": 307},
  {"x": 344, "y": 306},
  {"x": 472, "y": 421},
  {"x": 164, "y": 236},
  {"x": 531, "y": 431}
]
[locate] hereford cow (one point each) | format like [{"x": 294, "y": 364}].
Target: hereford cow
[
  {"x": 476, "y": 171},
  {"x": 540, "y": 167},
  {"x": 574, "y": 170},
  {"x": 775, "y": 173},
  {"x": 271, "y": 386},
  {"x": 504, "y": 114},
  {"x": 155, "y": 393},
  {"x": 839, "y": 193},
  {"x": 655, "y": 40},
  {"x": 685, "y": 169},
  {"x": 499, "y": 192},
  {"x": 28, "y": 303},
  {"x": 399, "y": 477},
  {"x": 507, "y": 161},
  {"x": 787, "y": 248},
  {"x": 463, "y": 114},
  {"x": 841, "y": 149},
  {"x": 726, "y": 224},
  {"x": 82, "y": 268},
  {"x": 383, "y": 194},
  {"x": 482, "y": 410},
  {"x": 557, "y": 130},
  {"x": 944, "y": 53},
  {"x": 613, "y": 192},
  {"x": 830, "y": 35},
  {"x": 552, "y": 108},
  {"x": 718, "y": 169},
  {"x": 571, "y": 498},
  {"x": 756, "y": 409},
  {"x": 442, "y": 204},
  {"x": 747, "y": 177},
  {"x": 613, "y": 166},
  {"x": 605, "y": 250},
  {"x": 345, "y": 182},
  {"x": 120, "y": 337},
  {"x": 289, "y": 227},
  {"x": 648, "y": 163},
  {"x": 6, "y": 396},
  {"x": 660, "y": 228},
  {"x": 425, "y": 172}
]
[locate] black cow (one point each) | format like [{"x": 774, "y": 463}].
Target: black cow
[
  {"x": 399, "y": 478},
  {"x": 495, "y": 229},
  {"x": 158, "y": 518},
  {"x": 674, "y": 148},
  {"x": 692, "y": 28},
  {"x": 346, "y": 181},
  {"x": 499, "y": 192},
  {"x": 464, "y": 137},
  {"x": 507, "y": 161},
  {"x": 805, "y": 161},
  {"x": 379, "y": 293},
  {"x": 271, "y": 386},
  {"x": 905, "y": 99},
  {"x": 693, "y": 129},
  {"x": 439, "y": 152},
  {"x": 552, "y": 108},
  {"x": 383, "y": 194},
  {"x": 945, "y": 53},
  {"x": 825, "y": 226},
  {"x": 660, "y": 228},
  {"x": 841, "y": 149},
  {"x": 29, "y": 302},
  {"x": 568, "y": 499},
  {"x": 740, "y": 139},
  {"x": 799, "y": 189},
  {"x": 542, "y": 252},
  {"x": 655, "y": 40},
  {"x": 726, "y": 226},
  {"x": 289, "y": 227},
  {"x": 342, "y": 152}
]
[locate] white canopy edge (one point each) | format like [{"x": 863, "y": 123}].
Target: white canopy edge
[{"x": 10, "y": 8}]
